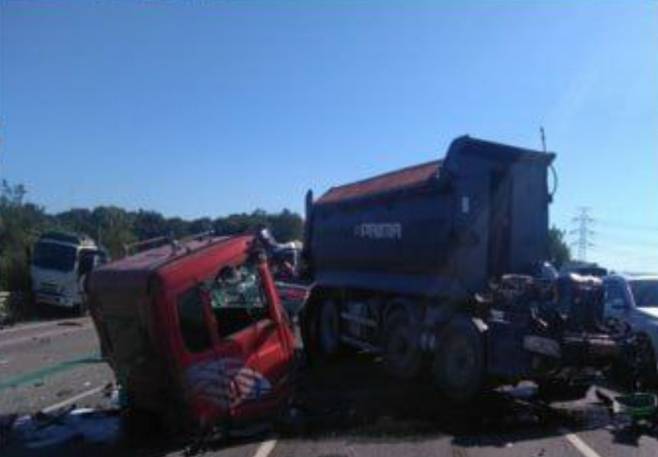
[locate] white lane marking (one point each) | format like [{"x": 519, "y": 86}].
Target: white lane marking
[
  {"x": 63, "y": 331},
  {"x": 73, "y": 399},
  {"x": 265, "y": 448},
  {"x": 578, "y": 443}
]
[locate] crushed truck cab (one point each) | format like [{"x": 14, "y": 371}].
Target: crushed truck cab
[{"x": 195, "y": 331}]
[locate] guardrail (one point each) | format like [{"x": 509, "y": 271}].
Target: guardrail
[
  {"x": 4, "y": 301},
  {"x": 10, "y": 302}
]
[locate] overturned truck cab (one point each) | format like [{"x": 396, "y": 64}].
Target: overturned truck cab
[
  {"x": 195, "y": 331},
  {"x": 439, "y": 265}
]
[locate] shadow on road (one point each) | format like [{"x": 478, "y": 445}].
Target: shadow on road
[{"x": 356, "y": 401}]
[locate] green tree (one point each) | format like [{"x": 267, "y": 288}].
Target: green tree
[
  {"x": 116, "y": 227},
  {"x": 20, "y": 225},
  {"x": 201, "y": 225},
  {"x": 558, "y": 249},
  {"x": 22, "y": 222},
  {"x": 286, "y": 226},
  {"x": 79, "y": 220},
  {"x": 177, "y": 227},
  {"x": 149, "y": 224}
]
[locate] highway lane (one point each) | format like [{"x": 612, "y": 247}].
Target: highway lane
[
  {"x": 347, "y": 410},
  {"x": 45, "y": 363}
]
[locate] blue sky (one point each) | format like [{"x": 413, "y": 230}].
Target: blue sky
[{"x": 208, "y": 108}]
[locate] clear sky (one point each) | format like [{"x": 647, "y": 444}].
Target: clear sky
[{"x": 208, "y": 108}]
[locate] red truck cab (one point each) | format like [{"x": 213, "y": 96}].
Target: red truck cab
[{"x": 195, "y": 331}]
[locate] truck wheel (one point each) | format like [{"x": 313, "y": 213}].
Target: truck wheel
[
  {"x": 647, "y": 373},
  {"x": 402, "y": 357},
  {"x": 80, "y": 309},
  {"x": 458, "y": 366},
  {"x": 328, "y": 325}
]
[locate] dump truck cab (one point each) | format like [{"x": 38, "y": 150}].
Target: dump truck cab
[
  {"x": 60, "y": 265},
  {"x": 195, "y": 331}
]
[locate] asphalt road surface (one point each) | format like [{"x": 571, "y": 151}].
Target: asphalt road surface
[{"x": 346, "y": 410}]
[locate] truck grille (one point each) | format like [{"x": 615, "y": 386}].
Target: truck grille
[{"x": 48, "y": 287}]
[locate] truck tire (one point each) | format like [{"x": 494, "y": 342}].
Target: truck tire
[
  {"x": 328, "y": 329},
  {"x": 647, "y": 372},
  {"x": 402, "y": 356},
  {"x": 458, "y": 368}
]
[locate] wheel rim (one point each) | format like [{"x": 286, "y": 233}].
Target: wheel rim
[
  {"x": 400, "y": 348},
  {"x": 329, "y": 328},
  {"x": 460, "y": 362}
]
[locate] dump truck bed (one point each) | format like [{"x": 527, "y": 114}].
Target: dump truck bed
[{"x": 441, "y": 228}]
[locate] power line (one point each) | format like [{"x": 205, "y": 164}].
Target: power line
[
  {"x": 625, "y": 226},
  {"x": 583, "y": 232},
  {"x": 620, "y": 239}
]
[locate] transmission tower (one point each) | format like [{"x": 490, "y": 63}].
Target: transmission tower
[{"x": 583, "y": 232}]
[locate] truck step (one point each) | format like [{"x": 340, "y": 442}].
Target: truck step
[
  {"x": 359, "y": 344},
  {"x": 359, "y": 320}
]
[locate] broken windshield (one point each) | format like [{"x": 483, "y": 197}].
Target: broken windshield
[
  {"x": 237, "y": 299},
  {"x": 237, "y": 288}
]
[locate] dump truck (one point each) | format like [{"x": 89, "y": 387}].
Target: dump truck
[{"x": 442, "y": 266}]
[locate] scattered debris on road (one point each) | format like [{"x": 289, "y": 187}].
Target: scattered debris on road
[
  {"x": 63, "y": 393},
  {"x": 6, "y": 424},
  {"x": 45, "y": 430},
  {"x": 640, "y": 407},
  {"x": 70, "y": 324}
]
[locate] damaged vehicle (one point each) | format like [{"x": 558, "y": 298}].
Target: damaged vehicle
[
  {"x": 195, "y": 332},
  {"x": 441, "y": 266},
  {"x": 634, "y": 301}
]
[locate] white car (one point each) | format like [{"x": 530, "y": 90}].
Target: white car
[{"x": 634, "y": 300}]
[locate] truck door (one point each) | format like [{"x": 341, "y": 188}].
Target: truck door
[
  {"x": 242, "y": 306},
  {"x": 616, "y": 304},
  {"x": 499, "y": 222},
  {"x": 275, "y": 338}
]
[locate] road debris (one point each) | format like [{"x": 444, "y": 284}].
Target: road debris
[
  {"x": 640, "y": 407},
  {"x": 70, "y": 324},
  {"x": 63, "y": 393},
  {"x": 44, "y": 430},
  {"x": 6, "y": 424}
]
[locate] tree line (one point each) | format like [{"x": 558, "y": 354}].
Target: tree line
[{"x": 22, "y": 222}]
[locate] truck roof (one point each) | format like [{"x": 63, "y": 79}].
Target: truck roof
[
  {"x": 133, "y": 272},
  {"x": 67, "y": 237},
  {"x": 398, "y": 179},
  {"x": 416, "y": 175},
  {"x": 154, "y": 258}
]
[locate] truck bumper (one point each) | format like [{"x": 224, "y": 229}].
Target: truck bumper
[{"x": 54, "y": 300}]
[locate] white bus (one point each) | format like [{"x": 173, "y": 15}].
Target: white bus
[{"x": 60, "y": 264}]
